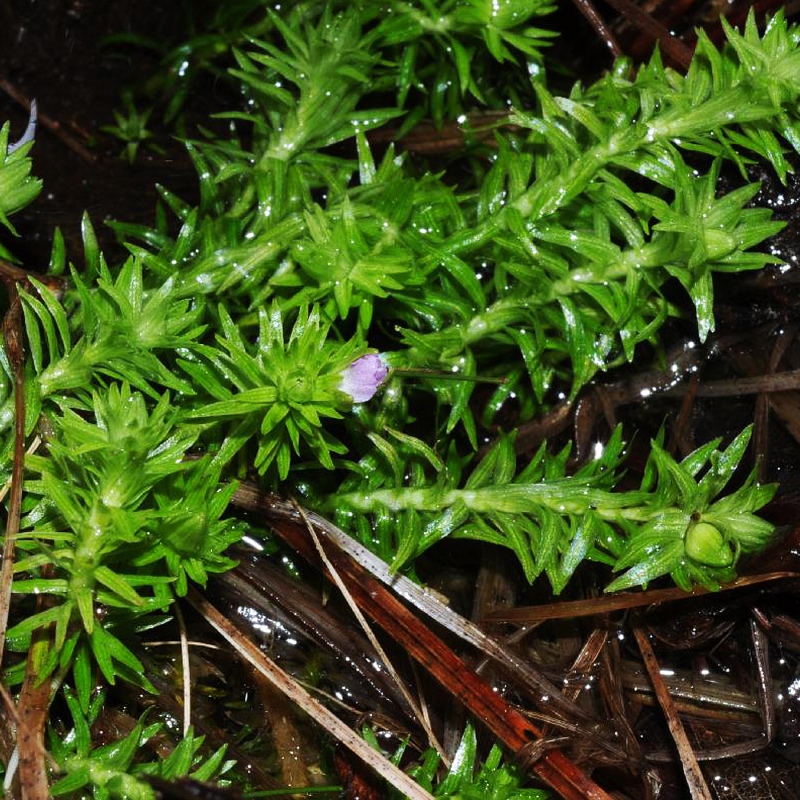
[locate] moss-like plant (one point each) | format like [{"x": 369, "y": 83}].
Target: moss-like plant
[{"x": 539, "y": 262}]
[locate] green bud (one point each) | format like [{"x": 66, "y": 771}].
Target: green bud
[
  {"x": 706, "y": 544},
  {"x": 719, "y": 244}
]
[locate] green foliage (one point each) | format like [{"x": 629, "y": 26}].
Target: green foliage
[
  {"x": 119, "y": 330},
  {"x": 18, "y": 188},
  {"x": 220, "y": 345},
  {"x": 333, "y": 53},
  {"x": 444, "y": 51},
  {"x": 695, "y": 536},
  {"x": 114, "y": 493},
  {"x": 472, "y": 779},
  {"x": 109, "y": 771},
  {"x": 284, "y": 388},
  {"x": 673, "y": 524},
  {"x": 131, "y": 128}
]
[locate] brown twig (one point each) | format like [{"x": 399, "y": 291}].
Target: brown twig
[
  {"x": 698, "y": 788},
  {"x": 11, "y": 276},
  {"x": 32, "y": 709},
  {"x": 285, "y": 683},
  {"x": 34, "y": 698},
  {"x": 586, "y": 7},
  {"x": 584, "y": 661},
  {"x": 570, "y": 609},
  {"x": 12, "y": 338},
  {"x": 262, "y": 586},
  {"x": 373, "y": 568},
  {"x": 365, "y": 627},
  {"x": 766, "y": 704},
  {"x": 612, "y": 691},
  {"x": 285, "y": 736},
  {"x": 679, "y": 52}
]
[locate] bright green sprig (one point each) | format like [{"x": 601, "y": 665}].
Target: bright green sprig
[
  {"x": 18, "y": 188},
  {"x": 673, "y": 524},
  {"x": 471, "y": 778},
  {"x": 253, "y": 201},
  {"x": 111, "y": 771},
  {"x": 731, "y": 103},
  {"x": 118, "y": 329},
  {"x": 333, "y": 54},
  {"x": 131, "y": 128},
  {"x": 338, "y": 256},
  {"x": 190, "y": 535},
  {"x": 696, "y": 536},
  {"x": 110, "y": 505},
  {"x": 443, "y": 51},
  {"x": 278, "y": 389}
]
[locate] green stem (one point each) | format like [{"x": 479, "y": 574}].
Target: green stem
[
  {"x": 564, "y": 497},
  {"x": 735, "y": 105}
]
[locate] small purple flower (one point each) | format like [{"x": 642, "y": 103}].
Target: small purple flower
[{"x": 363, "y": 377}]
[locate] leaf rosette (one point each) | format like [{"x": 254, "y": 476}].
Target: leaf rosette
[{"x": 278, "y": 389}]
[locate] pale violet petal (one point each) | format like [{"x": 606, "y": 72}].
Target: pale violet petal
[{"x": 364, "y": 377}]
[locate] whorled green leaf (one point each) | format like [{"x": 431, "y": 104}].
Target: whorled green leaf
[
  {"x": 553, "y": 521},
  {"x": 280, "y": 388},
  {"x": 17, "y": 187}
]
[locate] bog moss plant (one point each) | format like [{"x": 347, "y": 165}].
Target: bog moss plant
[{"x": 249, "y": 327}]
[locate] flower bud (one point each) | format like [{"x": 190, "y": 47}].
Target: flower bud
[
  {"x": 706, "y": 544},
  {"x": 30, "y": 132},
  {"x": 363, "y": 377}
]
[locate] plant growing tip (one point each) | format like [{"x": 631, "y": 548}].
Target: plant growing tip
[{"x": 706, "y": 544}]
